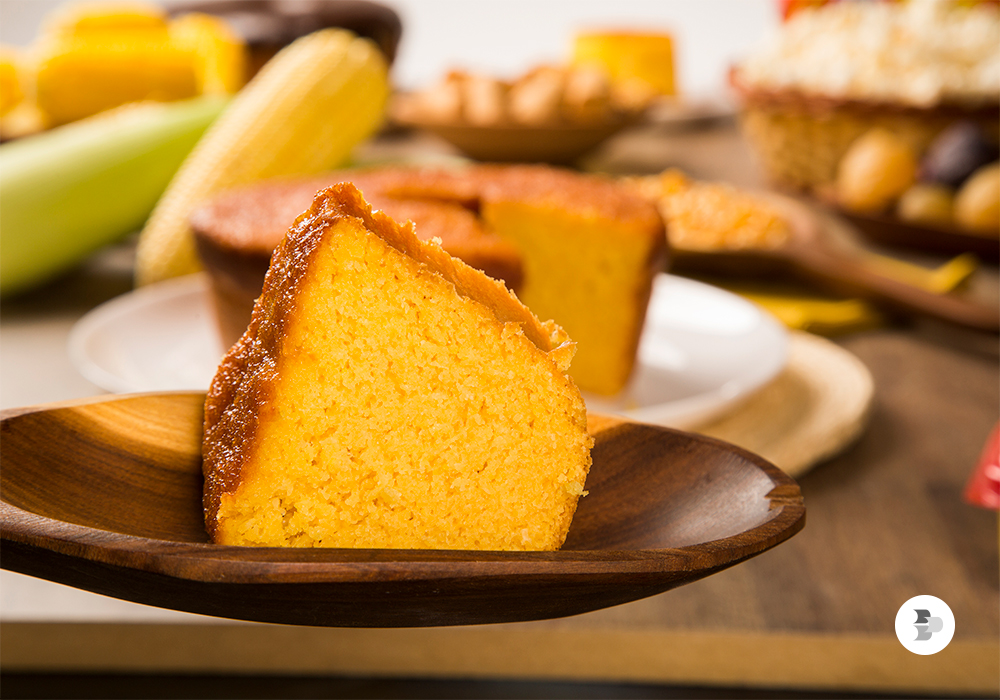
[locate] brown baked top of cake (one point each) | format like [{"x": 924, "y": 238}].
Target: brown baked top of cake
[
  {"x": 442, "y": 201},
  {"x": 535, "y": 185},
  {"x": 255, "y": 218}
]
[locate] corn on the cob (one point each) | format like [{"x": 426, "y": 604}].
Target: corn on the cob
[
  {"x": 68, "y": 191},
  {"x": 303, "y": 113},
  {"x": 94, "y": 58}
]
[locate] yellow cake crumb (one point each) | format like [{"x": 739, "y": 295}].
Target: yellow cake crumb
[{"x": 388, "y": 395}]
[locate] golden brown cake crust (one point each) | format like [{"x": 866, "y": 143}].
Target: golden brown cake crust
[
  {"x": 236, "y": 233},
  {"x": 240, "y": 392},
  {"x": 254, "y": 219},
  {"x": 592, "y": 195},
  {"x": 541, "y": 185}
]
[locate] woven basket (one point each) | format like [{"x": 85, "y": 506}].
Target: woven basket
[{"x": 800, "y": 139}]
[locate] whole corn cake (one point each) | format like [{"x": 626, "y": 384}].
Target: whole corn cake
[
  {"x": 387, "y": 395},
  {"x": 579, "y": 249}
]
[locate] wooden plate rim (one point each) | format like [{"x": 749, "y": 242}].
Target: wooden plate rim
[{"x": 254, "y": 565}]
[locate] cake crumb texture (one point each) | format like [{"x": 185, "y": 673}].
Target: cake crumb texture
[{"x": 388, "y": 395}]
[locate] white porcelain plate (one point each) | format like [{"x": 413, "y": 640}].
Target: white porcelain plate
[
  {"x": 156, "y": 338},
  {"x": 703, "y": 349}
]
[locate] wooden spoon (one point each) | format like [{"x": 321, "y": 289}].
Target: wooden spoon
[
  {"x": 105, "y": 495},
  {"x": 814, "y": 252}
]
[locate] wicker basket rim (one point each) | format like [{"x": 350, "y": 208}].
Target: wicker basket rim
[{"x": 799, "y": 100}]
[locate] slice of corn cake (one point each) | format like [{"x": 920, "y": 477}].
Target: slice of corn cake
[{"x": 387, "y": 395}]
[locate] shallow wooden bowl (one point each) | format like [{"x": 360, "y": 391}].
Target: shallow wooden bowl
[
  {"x": 105, "y": 495},
  {"x": 816, "y": 250},
  {"x": 895, "y": 232},
  {"x": 556, "y": 144}
]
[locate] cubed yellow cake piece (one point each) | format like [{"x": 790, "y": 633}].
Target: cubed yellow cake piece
[
  {"x": 94, "y": 57},
  {"x": 646, "y": 57},
  {"x": 386, "y": 395},
  {"x": 97, "y": 56}
]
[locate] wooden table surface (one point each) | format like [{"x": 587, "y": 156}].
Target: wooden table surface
[{"x": 885, "y": 522}]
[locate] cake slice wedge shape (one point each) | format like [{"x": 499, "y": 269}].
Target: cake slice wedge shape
[{"x": 386, "y": 395}]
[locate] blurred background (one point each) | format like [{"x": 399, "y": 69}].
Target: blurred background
[
  {"x": 827, "y": 175},
  {"x": 506, "y": 37}
]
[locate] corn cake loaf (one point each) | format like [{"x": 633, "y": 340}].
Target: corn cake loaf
[
  {"x": 386, "y": 394},
  {"x": 579, "y": 249}
]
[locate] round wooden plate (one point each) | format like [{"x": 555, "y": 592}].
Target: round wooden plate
[{"x": 105, "y": 495}]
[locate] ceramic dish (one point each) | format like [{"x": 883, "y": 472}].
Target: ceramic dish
[
  {"x": 105, "y": 495},
  {"x": 161, "y": 337},
  {"x": 703, "y": 349}
]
